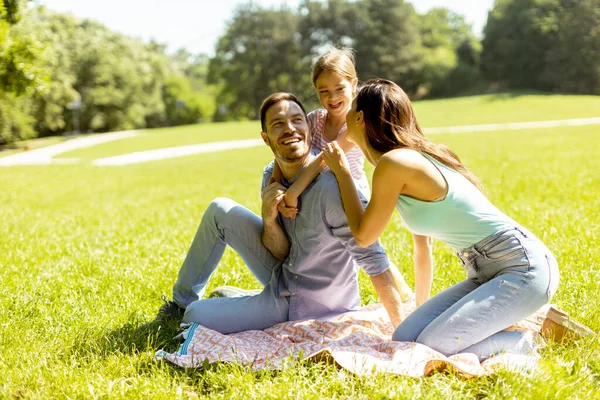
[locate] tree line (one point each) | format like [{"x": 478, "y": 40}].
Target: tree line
[{"x": 58, "y": 73}]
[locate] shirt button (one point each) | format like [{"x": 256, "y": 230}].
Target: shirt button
[
  {"x": 293, "y": 293},
  {"x": 295, "y": 276},
  {"x": 291, "y": 265},
  {"x": 465, "y": 254}
]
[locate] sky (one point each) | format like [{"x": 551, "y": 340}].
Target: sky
[{"x": 197, "y": 24}]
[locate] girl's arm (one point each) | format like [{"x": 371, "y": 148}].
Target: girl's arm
[
  {"x": 388, "y": 181},
  {"x": 310, "y": 172},
  {"x": 276, "y": 175},
  {"x": 423, "y": 264}
]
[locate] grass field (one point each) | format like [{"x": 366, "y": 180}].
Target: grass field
[{"x": 86, "y": 252}]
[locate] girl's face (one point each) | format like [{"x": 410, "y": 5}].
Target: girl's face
[{"x": 335, "y": 92}]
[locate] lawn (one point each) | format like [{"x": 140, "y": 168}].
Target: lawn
[{"x": 86, "y": 252}]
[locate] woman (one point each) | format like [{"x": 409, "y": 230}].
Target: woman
[{"x": 510, "y": 273}]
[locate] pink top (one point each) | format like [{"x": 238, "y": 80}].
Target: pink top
[{"x": 356, "y": 159}]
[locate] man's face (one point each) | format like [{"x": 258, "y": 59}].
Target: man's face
[{"x": 287, "y": 131}]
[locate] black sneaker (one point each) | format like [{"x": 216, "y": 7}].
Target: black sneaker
[
  {"x": 170, "y": 309},
  {"x": 232, "y": 291}
]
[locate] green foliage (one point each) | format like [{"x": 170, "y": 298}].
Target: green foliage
[
  {"x": 259, "y": 54},
  {"x": 15, "y": 122},
  {"x": 119, "y": 82},
  {"x": 267, "y": 50},
  {"x": 549, "y": 45},
  {"x": 573, "y": 64},
  {"x": 19, "y": 73},
  {"x": 451, "y": 52}
]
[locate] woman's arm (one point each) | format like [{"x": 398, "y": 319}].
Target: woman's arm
[
  {"x": 388, "y": 181},
  {"x": 423, "y": 264},
  {"x": 310, "y": 172}
]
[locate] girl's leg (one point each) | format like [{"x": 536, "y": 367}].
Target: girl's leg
[
  {"x": 224, "y": 222},
  {"x": 410, "y": 329}
]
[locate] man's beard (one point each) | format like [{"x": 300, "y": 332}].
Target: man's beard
[{"x": 298, "y": 155}]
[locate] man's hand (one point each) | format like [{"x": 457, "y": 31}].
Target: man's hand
[
  {"x": 272, "y": 196},
  {"x": 273, "y": 236}
]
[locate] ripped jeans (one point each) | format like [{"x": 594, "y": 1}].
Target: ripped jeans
[{"x": 510, "y": 275}]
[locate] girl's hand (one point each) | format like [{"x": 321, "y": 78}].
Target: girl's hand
[
  {"x": 336, "y": 159},
  {"x": 287, "y": 211}
]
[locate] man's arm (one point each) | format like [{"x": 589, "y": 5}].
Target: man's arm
[{"x": 273, "y": 236}]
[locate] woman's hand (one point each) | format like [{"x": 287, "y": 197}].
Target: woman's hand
[{"x": 336, "y": 159}]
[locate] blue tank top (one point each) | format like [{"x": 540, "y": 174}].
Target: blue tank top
[{"x": 461, "y": 219}]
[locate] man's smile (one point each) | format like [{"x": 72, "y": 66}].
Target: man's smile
[{"x": 291, "y": 140}]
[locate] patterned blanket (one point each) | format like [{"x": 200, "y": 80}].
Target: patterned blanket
[{"x": 358, "y": 342}]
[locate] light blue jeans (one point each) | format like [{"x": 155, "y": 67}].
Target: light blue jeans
[
  {"x": 224, "y": 223},
  {"x": 510, "y": 275}
]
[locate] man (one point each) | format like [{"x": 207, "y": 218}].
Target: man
[{"x": 308, "y": 265}]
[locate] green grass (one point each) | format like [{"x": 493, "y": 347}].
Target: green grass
[
  {"x": 86, "y": 252},
  {"x": 505, "y": 107}
]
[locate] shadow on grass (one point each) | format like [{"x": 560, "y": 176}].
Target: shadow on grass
[{"x": 140, "y": 336}]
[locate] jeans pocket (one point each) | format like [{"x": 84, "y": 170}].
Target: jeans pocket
[{"x": 506, "y": 249}]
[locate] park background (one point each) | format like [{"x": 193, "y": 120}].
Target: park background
[{"x": 86, "y": 251}]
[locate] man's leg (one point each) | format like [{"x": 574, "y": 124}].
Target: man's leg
[
  {"x": 225, "y": 222},
  {"x": 230, "y": 315}
]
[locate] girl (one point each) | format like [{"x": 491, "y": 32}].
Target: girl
[
  {"x": 510, "y": 273},
  {"x": 334, "y": 78}
]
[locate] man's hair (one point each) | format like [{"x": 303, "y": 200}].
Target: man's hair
[{"x": 274, "y": 99}]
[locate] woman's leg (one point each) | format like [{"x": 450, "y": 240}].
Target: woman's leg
[
  {"x": 487, "y": 310},
  {"x": 410, "y": 329}
]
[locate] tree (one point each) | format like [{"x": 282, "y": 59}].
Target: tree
[
  {"x": 19, "y": 74},
  {"x": 452, "y": 53},
  {"x": 573, "y": 63},
  {"x": 259, "y": 54},
  {"x": 517, "y": 37},
  {"x": 549, "y": 45},
  {"x": 387, "y": 43}
]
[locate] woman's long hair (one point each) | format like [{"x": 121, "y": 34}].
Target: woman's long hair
[{"x": 390, "y": 124}]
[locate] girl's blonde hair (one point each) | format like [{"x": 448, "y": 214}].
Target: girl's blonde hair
[{"x": 338, "y": 60}]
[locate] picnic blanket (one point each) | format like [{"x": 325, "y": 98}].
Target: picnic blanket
[{"x": 358, "y": 342}]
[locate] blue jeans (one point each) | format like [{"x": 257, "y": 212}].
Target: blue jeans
[
  {"x": 510, "y": 275},
  {"x": 225, "y": 222}
]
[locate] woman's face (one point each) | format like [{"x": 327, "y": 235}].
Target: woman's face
[{"x": 335, "y": 92}]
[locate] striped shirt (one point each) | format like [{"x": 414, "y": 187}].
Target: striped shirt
[{"x": 356, "y": 159}]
